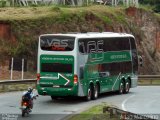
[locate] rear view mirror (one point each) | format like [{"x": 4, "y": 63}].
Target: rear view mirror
[{"x": 140, "y": 60}]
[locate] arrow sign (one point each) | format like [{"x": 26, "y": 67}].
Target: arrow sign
[
  {"x": 64, "y": 78},
  {"x": 56, "y": 78}
]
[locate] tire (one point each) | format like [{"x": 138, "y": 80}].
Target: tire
[
  {"x": 95, "y": 92},
  {"x": 23, "y": 113},
  {"x": 54, "y": 97},
  {"x": 89, "y": 94},
  {"x": 121, "y": 87},
  {"x": 127, "y": 87}
]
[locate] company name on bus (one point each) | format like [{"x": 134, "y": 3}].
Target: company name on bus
[
  {"x": 118, "y": 56},
  {"x": 57, "y": 59}
]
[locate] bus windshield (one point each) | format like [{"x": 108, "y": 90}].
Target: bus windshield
[{"x": 57, "y": 43}]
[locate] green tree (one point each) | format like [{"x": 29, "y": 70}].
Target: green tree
[
  {"x": 150, "y": 2},
  {"x": 157, "y": 8}
]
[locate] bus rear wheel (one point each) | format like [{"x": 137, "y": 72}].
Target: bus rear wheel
[
  {"x": 54, "y": 97},
  {"x": 95, "y": 92},
  {"x": 89, "y": 94},
  {"x": 121, "y": 87},
  {"x": 127, "y": 87}
]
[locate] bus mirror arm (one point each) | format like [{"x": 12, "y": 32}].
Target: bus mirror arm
[
  {"x": 104, "y": 74},
  {"x": 140, "y": 61}
]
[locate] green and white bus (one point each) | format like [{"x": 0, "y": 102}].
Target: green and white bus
[{"x": 86, "y": 64}]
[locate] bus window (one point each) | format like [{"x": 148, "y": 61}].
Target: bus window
[
  {"x": 56, "y": 67},
  {"x": 57, "y": 43},
  {"x": 134, "y": 55},
  {"x": 116, "y": 44},
  {"x": 82, "y": 72}
]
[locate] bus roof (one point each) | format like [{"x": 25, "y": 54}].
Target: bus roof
[{"x": 91, "y": 34}]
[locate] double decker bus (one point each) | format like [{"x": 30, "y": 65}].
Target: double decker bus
[{"x": 86, "y": 64}]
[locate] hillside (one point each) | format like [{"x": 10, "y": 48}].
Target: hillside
[{"x": 20, "y": 28}]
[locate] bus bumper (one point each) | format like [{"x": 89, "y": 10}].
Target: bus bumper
[{"x": 59, "y": 92}]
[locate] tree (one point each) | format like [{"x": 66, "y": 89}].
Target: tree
[
  {"x": 150, "y": 2},
  {"x": 157, "y": 8}
]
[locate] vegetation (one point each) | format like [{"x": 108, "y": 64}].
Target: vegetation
[
  {"x": 155, "y": 3},
  {"x": 28, "y": 23},
  {"x": 93, "y": 113},
  {"x": 151, "y": 2}
]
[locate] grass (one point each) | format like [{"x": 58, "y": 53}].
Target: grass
[
  {"x": 93, "y": 113},
  {"x": 147, "y": 7},
  {"x": 23, "y": 13}
]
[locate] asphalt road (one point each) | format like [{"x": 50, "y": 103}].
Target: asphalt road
[{"x": 141, "y": 100}]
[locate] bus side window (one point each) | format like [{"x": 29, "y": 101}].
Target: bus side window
[{"x": 82, "y": 72}]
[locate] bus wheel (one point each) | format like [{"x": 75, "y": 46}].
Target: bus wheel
[
  {"x": 89, "y": 94},
  {"x": 121, "y": 87},
  {"x": 95, "y": 92},
  {"x": 127, "y": 87},
  {"x": 54, "y": 97}
]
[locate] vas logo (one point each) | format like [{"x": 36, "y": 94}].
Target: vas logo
[{"x": 55, "y": 43}]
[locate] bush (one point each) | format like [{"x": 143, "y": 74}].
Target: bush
[
  {"x": 157, "y": 8},
  {"x": 2, "y": 3},
  {"x": 150, "y": 2}
]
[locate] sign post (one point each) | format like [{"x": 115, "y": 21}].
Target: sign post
[
  {"x": 22, "y": 69},
  {"x": 12, "y": 68}
]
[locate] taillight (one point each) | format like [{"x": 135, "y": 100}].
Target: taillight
[
  {"x": 38, "y": 77},
  {"x": 75, "y": 79},
  {"x": 25, "y": 103}
]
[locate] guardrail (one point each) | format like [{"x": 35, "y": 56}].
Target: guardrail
[
  {"x": 146, "y": 77},
  {"x": 140, "y": 77},
  {"x": 17, "y": 81},
  {"x": 149, "y": 80},
  {"x": 16, "y": 85},
  {"x": 125, "y": 115}
]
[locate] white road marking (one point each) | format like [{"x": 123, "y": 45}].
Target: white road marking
[{"x": 125, "y": 101}]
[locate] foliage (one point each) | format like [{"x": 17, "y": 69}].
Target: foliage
[
  {"x": 56, "y": 9},
  {"x": 157, "y": 8},
  {"x": 28, "y": 23},
  {"x": 93, "y": 113},
  {"x": 151, "y": 2}
]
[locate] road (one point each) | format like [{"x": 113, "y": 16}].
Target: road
[
  {"x": 141, "y": 100},
  {"x": 145, "y": 100}
]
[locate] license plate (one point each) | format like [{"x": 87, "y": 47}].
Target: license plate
[
  {"x": 23, "y": 107},
  {"x": 56, "y": 86}
]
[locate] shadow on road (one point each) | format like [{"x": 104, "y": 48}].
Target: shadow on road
[{"x": 75, "y": 100}]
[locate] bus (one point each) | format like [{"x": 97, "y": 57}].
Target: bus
[{"x": 86, "y": 64}]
